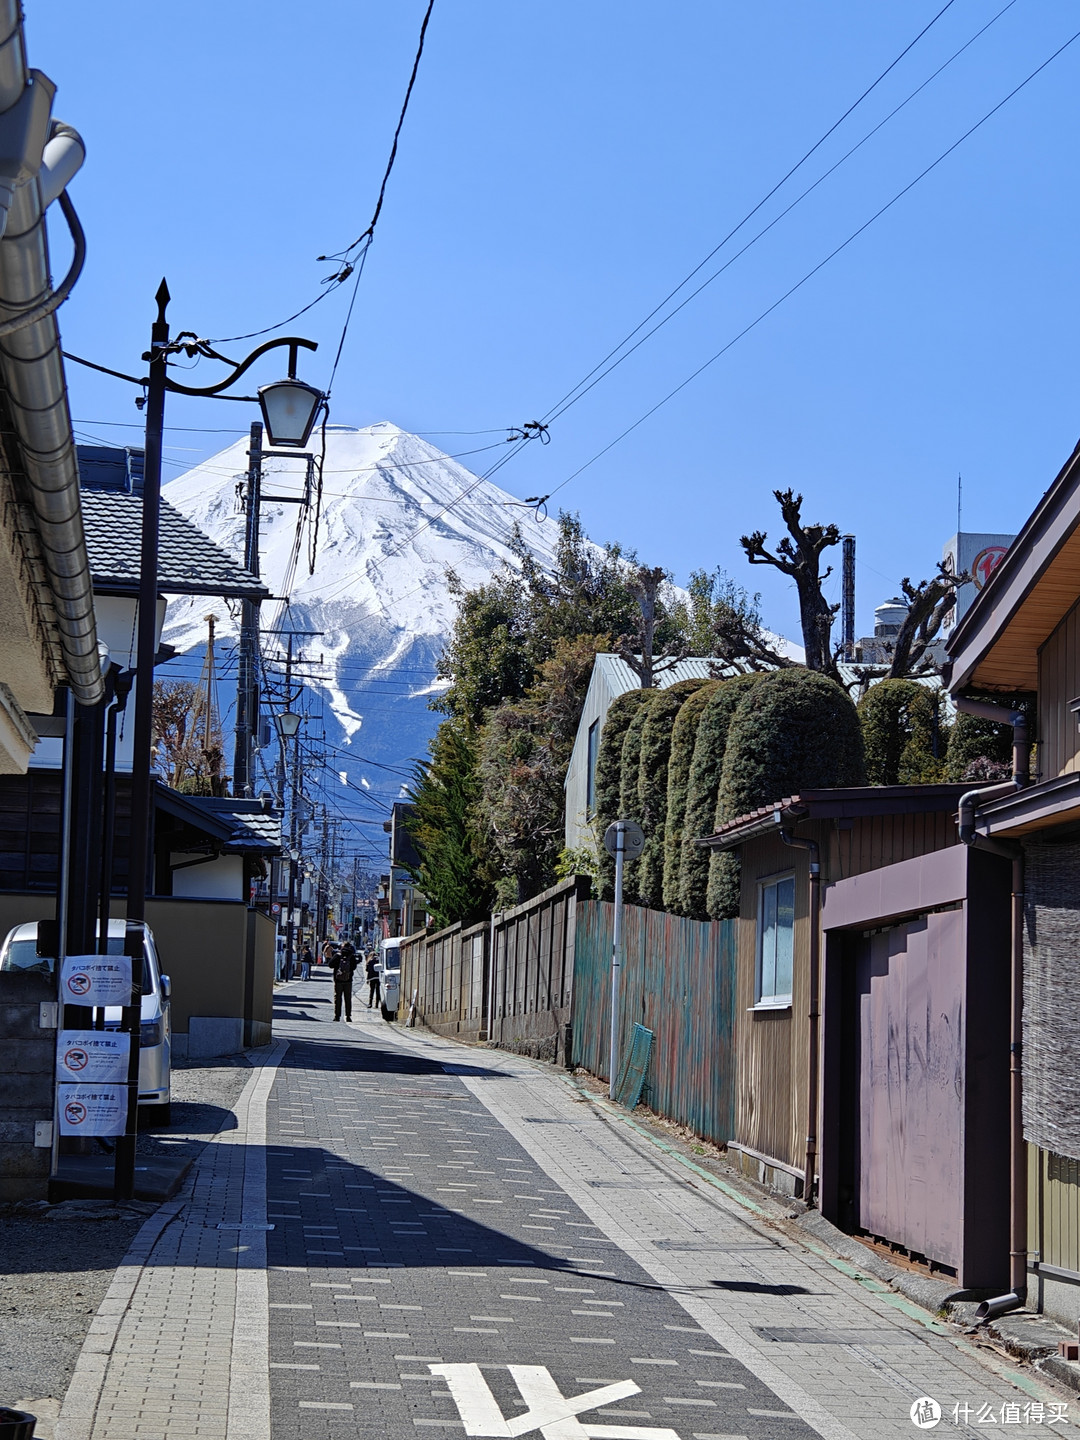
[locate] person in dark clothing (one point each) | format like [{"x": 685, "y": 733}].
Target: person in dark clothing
[
  {"x": 306, "y": 959},
  {"x": 372, "y": 972},
  {"x": 344, "y": 963}
]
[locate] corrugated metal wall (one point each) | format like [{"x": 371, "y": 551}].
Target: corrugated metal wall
[{"x": 678, "y": 980}]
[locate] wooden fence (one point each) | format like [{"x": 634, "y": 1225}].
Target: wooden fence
[
  {"x": 678, "y": 980},
  {"x": 533, "y": 972},
  {"x": 448, "y": 974}
]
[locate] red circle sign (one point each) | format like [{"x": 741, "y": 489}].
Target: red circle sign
[{"x": 986, "y": 562}]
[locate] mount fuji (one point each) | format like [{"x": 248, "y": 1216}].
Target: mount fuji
[{"x": 396, "y": 514}]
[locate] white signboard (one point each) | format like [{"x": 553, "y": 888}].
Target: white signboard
[
  {"x": 92, "y": 1109},
  {"x": 93, "y": 1055},
  {"x": 96, "y": 980}
]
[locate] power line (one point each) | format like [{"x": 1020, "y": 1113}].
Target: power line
[{"x": 819, "y": 266}]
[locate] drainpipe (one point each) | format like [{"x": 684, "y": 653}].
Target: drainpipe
[
  {"x": 1017, "y": 1152},
  {"x": 799, "y": 843},
  {"x": 30, "y": 360}
]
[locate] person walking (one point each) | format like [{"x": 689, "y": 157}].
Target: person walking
[
  {"x": 344, "y": 963},
  {"x": 372, "y": 973},
  {"x": 305, "y": 963}
]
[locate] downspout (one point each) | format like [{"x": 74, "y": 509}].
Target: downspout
[
  {"x": 1017, "y": 1152},
  {"x": 30, "y": 360},
  {"x": 809, "y": 1175}
]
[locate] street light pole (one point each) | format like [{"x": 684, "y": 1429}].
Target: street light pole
[
  {"x": 247, "y": 689},
  {"x": 616, "y": 956}
]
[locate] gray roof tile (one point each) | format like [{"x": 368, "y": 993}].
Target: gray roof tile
[{"x": 189, "y": 562}]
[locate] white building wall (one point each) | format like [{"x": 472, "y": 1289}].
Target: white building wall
[{"x": 220, "y": 879}]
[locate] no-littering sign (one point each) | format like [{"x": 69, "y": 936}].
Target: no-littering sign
[
  {"x": 92, "y": 1109},
  {"x": 93, "y": 1055},
  {"x": 96, "y": 980}
]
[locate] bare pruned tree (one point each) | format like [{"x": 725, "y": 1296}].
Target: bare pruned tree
[
  {"x": 929, "y": 602},
  {"x": 640, "y": 651},
  {"x": 798, "y": 555}
]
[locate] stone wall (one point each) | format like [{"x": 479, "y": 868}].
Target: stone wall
[{"x": 27, "y": 1063}]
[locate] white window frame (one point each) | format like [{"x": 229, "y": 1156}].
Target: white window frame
[
  {"x": 592, "y": 756},
  {"x": 764, "y": 965}
]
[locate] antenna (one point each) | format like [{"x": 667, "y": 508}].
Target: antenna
[{"x": 959, "y": 501}]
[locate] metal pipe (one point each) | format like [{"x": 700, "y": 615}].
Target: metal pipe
[
  {"x": 991, "y": 1309},
  {"x": 616, "y": 958},
  {"x": 1017, "y": 1144},
  {"x": 814, "y": 1009},
  {"x": 33, "y": 374}
]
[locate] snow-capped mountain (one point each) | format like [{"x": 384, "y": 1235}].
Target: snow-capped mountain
[{"x": 396, "y": 514}]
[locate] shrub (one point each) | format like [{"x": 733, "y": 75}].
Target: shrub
[
  {"x": 796, "y": 730},
  {"x": 901, "y": 729},
  {"x": 683, "y": 735},
  {"x": 656, "y": 742},
  {"x": 629, "y": 775},
  {"x": 609, "y": 772},
  {"x": 972, "y": 740},
  {"x": 702, "y": 786}
]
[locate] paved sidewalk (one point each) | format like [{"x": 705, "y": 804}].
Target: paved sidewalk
[{"x": 462, "y": 1244}]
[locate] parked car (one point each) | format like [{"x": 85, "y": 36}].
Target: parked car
[
  {"x": 19, "y": 953},
  {"x": 390, "y": 976}
]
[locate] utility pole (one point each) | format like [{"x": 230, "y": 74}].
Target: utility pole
[{"x": 247, "y": 685}]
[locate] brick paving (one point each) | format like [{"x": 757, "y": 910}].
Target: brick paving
[{"x": 457, "y": 1239}]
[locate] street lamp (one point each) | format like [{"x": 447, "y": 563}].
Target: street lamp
[
  {"x": 288, "y": 724},
  {"x": 289, "y": 408}
]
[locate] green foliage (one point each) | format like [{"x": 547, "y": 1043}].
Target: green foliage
[
  {"x": 609, "y": 771},
  {"x": 629, "y": 774},
  {"x": 683, "y": 735},
  {"x": 652, "y": 790},
  {"x": 795, "y": 730},
  {"x": 524, "y": 751},
  {"x": 506, "y": 629},
  {"x": 579, "y": 860},
  {"x": 901, "y": 727},
  {"x": 981, "y": 749},
  {"x": 702, "y": 786},
  {"x": 452, "y": 871}
]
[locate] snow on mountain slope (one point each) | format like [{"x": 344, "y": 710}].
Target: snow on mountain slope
[{"x": 378, "y": 592}]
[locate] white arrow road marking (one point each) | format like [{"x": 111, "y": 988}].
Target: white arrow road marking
[{"x": 550, "y": 1411}]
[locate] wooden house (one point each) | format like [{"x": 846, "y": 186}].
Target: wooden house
[
  {"x": 1021, "y": 637},
  {"x": 871, "y": 1029}
]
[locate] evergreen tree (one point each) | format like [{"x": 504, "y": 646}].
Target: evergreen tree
[
  {"x": 609, "y": 773},
  {"x": 452, "y": 872},
  {"x": 683, "y": 735},
  {"x": 702, "y": 788},
  {"x": 629, "y": 773},
  {"x": 902, "y": 730},
  {"x": 981, "y": 750},
  {"x": 795, "y": 730},
  {"x": 656, "y": 743}
]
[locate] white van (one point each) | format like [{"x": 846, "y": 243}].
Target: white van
[
  {"x": 19, "y": 953},
  {"x": 390, "y": 976}
]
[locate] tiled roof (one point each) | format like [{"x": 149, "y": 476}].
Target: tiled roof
[
  {"x": 852, "y": 801},
  {"x": 238, "y": 825},
  {"x": 189, "y": 562}
]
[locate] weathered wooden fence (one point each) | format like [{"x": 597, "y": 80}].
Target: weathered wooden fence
[
  {"x": 678, "y": 980},
  {"x": 537, "y": 979},
  {"x": 533, "y": 972},
  {"x": 448, "y": 974}
]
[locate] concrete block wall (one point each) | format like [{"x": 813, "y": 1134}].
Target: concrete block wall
[{"x": 27, "y": 1064}]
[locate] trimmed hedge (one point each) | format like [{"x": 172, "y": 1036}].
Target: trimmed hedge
[
  {"x": 972, "y": 739},
  {"x": 796, "y": 730},
  {"x": 609, "y": 773},
  {"x": 900, "y": 720},
  {"x": 629, "y": 772},
  {"x": 656, "y": 742},
  {"x": 702, "y": 786},
  {"x": 683, "y": 735}
]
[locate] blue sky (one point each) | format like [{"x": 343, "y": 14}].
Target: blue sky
[{"x": 562, "y": 167}]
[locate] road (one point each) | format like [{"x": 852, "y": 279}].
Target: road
[{"x": 460, "y": 1242}]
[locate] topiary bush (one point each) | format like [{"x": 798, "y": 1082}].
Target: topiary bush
[
  {"x": 796, "y": 730},
  {"x": 683, "y": 735},
  {"x": 609, "y": 773},
  {"x": 901, "y": 726},
  {"x": 629, "y": 773},
  {"x": 702, "y": 786},
  {"x": 656, "y": 741}
]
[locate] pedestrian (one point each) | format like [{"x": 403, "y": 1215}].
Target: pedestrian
[
  {"x": 305, "y": 963},
  {"x": 372, "y": 972},
  {"x": 344, "y": 963}
]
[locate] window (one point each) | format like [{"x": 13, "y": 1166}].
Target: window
[
  {"x": 776, "y": 933},
  {"x": 590, "y": 777}
]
